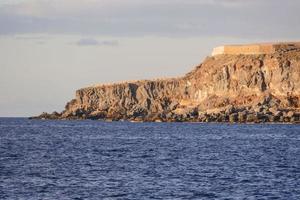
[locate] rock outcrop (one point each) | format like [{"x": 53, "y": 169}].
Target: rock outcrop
[{"x": 224, "y": 88}]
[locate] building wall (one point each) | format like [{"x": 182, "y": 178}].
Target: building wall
[
  {"x": 267, "y": 48},
  {"x": 218, "y": 51},
  {"x": 247, "y": 49},
  {"x": 243, "y": 49}
]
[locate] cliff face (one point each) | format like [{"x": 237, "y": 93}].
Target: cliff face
[
  {"x": 244, "y": 88},
  {"x": 142, "y": 99}
]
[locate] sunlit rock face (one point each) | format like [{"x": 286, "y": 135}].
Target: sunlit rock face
[{"x": 237, "y": 87}]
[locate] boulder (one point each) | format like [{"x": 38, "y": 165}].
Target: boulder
[
  {"x": 242, "y": 116},
  {"x": 252, "y": 118},
  {"x": 233, "y": 118}
]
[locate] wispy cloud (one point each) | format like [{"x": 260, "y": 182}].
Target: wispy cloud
[
  {"x": 32, "y": 37},
  {"x": 94, "y": 42}
]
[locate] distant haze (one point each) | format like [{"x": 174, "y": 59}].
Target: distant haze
[{"x": 51, "y": 48}]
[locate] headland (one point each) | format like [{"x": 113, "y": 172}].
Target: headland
[{"x": 239, "y": 83}]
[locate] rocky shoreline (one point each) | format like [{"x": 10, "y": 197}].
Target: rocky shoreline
[
  {"x": 262, "y": 88},
  {"x": 230, "y": 114}
]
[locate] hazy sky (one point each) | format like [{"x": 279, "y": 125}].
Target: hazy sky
[{"x": 50, "y": 48}]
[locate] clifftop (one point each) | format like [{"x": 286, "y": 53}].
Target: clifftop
[
  {"x": 224, "y": 88},
  {"x": 127, "y": 82},
  {"x": 252, "y": 49}
]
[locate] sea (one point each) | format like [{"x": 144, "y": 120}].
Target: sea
[{"x": 42, "y": 159}]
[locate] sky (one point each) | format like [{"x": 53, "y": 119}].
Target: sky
[{"x": 50, "y": 48}]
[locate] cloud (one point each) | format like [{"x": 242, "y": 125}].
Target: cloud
[
  {"x": 32, "y": 37},
  {"x": 94, "y": 42},
  {"x": 55, "y": 8},
  {"x": 172, "y": 18}
]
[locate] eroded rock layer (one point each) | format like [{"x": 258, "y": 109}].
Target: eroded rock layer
[{"x": 224, "y": 88}]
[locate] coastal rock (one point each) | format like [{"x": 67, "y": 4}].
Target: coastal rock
[
  {"x": 233, "y": 118},
  {"x": 44, "y": 115},
  {"x": 242, "y": 116},
  {"x": 224, "y": 88}
]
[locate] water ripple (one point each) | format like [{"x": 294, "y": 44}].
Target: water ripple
[{"x": 119, "y": 160}]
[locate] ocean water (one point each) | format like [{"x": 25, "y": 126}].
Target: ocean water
[{"x": 122, "y": 160}]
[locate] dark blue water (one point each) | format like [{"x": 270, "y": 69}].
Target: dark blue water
[{"x": 120, "y": 160}]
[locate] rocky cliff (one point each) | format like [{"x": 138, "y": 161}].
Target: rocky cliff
[{"x": 224, "y": 88}]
